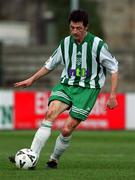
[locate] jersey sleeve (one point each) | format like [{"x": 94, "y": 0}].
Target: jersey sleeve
[
  {"x": 54, "y": 60},
  {"x": 107, "y": 60}
]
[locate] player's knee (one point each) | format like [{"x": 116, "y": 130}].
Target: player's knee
[
  {"x": 66, "y": 132},
  {"x": 51, "y": 114}
]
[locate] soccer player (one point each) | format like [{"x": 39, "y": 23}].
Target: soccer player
[{"x": 85, "y": 59}]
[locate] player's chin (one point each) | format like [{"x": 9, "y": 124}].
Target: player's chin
[{"x": 76, "y": 37}]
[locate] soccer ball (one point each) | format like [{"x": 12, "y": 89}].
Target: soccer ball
[{"x": 25, "y": 159}]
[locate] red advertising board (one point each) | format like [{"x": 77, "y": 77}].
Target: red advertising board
[
  {"x": 30, "y": 108},
  {"x": 101, "y": 117}
]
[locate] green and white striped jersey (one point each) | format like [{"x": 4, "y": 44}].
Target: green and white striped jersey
[{"x": 85, "y": 64}]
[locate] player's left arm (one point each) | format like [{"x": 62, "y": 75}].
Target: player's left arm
[
  {"x": 112, "y": 100},
  {"x": 111, "y": 64}
]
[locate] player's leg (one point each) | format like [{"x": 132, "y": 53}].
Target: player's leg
[
  {"x": 43, "y": 133},
  {"x": 81, "y": 107},
  {"x": 59, "y": 101},
  {"x": 62, "y": 141}
]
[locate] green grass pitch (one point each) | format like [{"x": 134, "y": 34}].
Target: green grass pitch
[{"x": 92, "y": 155}]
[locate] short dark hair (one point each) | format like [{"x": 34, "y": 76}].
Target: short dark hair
[{"x": 78, "y": 16}]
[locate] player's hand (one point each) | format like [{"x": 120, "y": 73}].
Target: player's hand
[
  {"x": 25, "y": 83},
  {"x": 112, "y": 102}
]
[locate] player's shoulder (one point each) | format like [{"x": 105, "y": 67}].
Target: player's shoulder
[
  {"x": 96, "y": 38},
  {"x": 65, "y": 39}
]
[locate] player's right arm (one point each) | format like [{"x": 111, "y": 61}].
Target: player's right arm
[
  {"x": 49, "y": 65},
  {"x": 28, "y": 82}
]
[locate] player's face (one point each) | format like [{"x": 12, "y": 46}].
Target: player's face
[{"x": 78, "y": 31}]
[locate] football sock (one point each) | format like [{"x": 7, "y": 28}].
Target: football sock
[
  {"x": 60, "y": 146},
  {"x": 41, "y": 137}
]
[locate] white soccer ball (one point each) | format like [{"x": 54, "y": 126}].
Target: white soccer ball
[{"x": 25, "y": 159}]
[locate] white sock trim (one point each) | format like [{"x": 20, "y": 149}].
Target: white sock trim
[
  {"x": 65, "y": 139},
  {"x": 46, "y": 124}
]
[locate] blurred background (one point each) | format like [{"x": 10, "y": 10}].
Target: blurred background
[
  {"x": 31, "y": 29},
  {"x": 29, "y": 32}
]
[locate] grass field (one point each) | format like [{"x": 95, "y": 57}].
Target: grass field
[{"x": 93, "y": 155}]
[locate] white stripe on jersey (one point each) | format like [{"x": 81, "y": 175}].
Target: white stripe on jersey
[
  {"x": 84, "y": 62},
  {"x": 94, "y": 62},
  {"x": 101, "y": 77},
  {"x": 66, "y": 56},
  {"x": 73, "y": 60}
]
